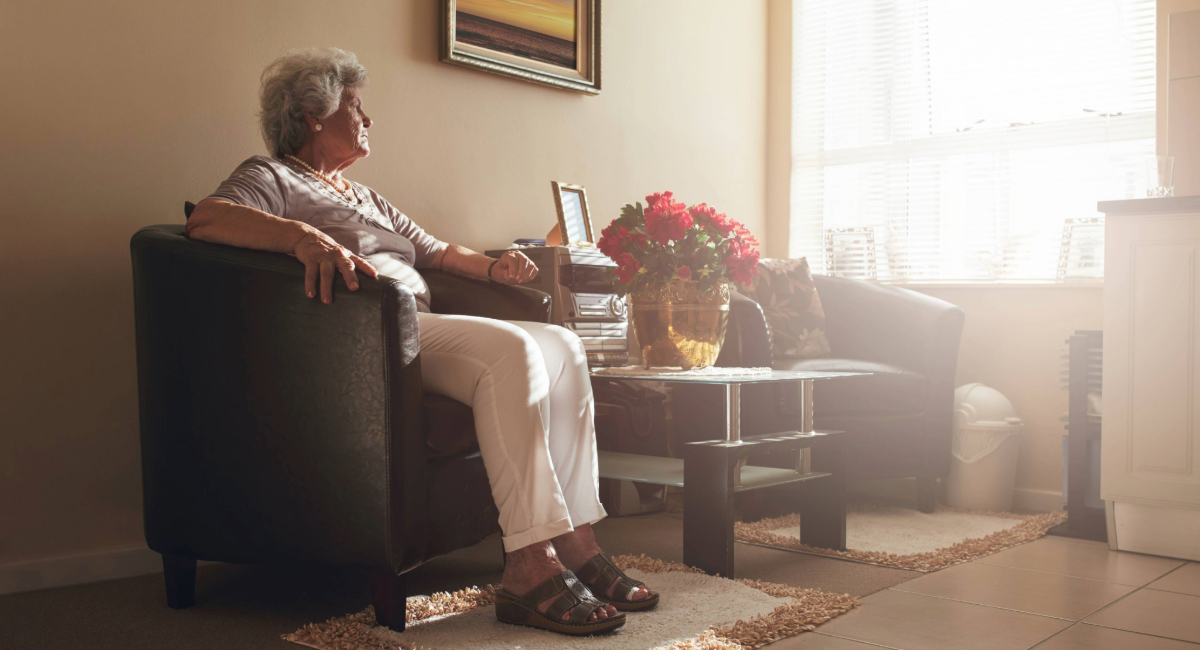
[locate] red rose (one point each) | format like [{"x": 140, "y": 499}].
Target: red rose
[
  {"x": 684, "y": 272},
  {"x": 667, "y": 220},
  {"x": 744, "y": 234},
  {"x": 702, "y": 214},
  {"x": 739, "y": 247},
  {"x": 723, "y": 224},
  {"x": 627, "y": 268},
  {"x": 610, "y": 242},
  {"x": 743, "y": 269},
  {"x": 653, "y": 199},
  {"x": 742, "y": 257}
]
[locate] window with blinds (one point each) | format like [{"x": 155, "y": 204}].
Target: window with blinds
[{"x": 950, "y": 141}]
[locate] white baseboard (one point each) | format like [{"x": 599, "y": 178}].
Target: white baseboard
[
  {"x": 64, "y": 570},
  {"x": 1031, "y": 500},
  {"x": 1156, "y": 530}
]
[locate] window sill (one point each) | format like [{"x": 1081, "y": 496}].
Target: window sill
[{"x": 923, "y": 286}]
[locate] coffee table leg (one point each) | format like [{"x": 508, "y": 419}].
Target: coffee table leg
[
  {"x": 708, "y": 475},
  {"x": 805, "y": 425},
  {"x": 806, "y": 406},
  {"x": 733, "y": 412},
  {"x": 823, "y": 500}
]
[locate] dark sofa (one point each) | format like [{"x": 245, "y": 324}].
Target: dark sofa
[
  {"x": 279, "y": 430},
  {"x": 897, "y": 420}
]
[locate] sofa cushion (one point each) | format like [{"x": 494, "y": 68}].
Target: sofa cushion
[
  {"x": 449, "y": 426},
  {"x": 889, "y": 390},
  {"x": 796, "y": 322}
]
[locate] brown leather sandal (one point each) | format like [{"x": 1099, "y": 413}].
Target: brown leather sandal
[
  {"x": 600, "y": 574},
  {"x": 573, "y": 597}
]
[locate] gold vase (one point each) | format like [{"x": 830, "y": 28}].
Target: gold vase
[{"x": 677, "y": 324}]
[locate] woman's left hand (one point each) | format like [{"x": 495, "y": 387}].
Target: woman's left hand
[{"x": 514, "y": 268}]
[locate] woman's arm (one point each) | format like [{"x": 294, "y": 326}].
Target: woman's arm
[
  {"x": 513, "y": 268},
  {"x": 222, "y": 222}
]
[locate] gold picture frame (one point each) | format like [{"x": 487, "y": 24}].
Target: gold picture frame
[
  {"x": 570, "y": 201},
  {"x": 504, "y": 48}
]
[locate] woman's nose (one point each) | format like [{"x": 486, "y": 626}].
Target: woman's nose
[{"x": 366, "y": 121}]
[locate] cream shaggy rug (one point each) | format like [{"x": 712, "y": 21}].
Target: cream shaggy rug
[
  {"x": 904, "y": 538},
  {"x": 697, "y": 612}
]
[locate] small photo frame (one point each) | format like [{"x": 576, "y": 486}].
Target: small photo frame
[
  {"x": 1081, "y": 254},
  {"x": 850, "y": 253},
  {"x": 574, "y": 221}
]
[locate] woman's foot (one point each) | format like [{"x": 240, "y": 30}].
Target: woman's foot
[
  {"x": 578, "y": 546},
  {"x": 528, "y": 567}
]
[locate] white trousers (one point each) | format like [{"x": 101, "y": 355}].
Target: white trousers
[{"x": 529, "y": 388}]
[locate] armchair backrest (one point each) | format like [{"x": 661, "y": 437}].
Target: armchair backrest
[
  {"x": 887, "y": 324},
  {"x": 274, "y": 428}
]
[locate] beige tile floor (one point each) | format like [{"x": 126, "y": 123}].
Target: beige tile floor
[{"x": 1051, "y": 594}]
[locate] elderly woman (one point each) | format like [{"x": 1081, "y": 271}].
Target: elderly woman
[{"x": 527, "y": 382}]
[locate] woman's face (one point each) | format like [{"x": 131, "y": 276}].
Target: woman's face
[{"x": 345, "y": 132}]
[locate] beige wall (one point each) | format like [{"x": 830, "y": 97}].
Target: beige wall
[
  {"x": 114, "y": 113},
  {"x": 779, "y": 127},
  {"x": 1161, "y": 73},
  {"x": 1012, "y": 341},
  {"x": 1179, "y": 90}
]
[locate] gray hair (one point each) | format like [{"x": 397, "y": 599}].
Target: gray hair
[{"x": 304, "y": 82}]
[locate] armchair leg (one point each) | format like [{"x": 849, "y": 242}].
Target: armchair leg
[
  {"x": 927, "y": 493},
  {"x": 180, "y": 574},
  {"x": 388, "y": 594}
]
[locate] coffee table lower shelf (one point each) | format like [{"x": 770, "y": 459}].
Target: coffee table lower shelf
[
  {"x": 669, "y": 471},
  {"x": 713, "y": 473}
]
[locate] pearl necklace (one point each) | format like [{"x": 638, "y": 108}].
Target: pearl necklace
[{"x": 348, "y": 194}]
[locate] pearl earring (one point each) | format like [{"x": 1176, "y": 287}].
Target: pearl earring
[{"x": 318, "y": 127}]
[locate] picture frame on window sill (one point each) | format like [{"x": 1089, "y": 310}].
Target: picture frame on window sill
[
  {"x": 574, "y": 220},
  {"x": 550, "y": 42}
]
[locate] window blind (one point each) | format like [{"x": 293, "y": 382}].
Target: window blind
[{"x": 949, "y": 141}]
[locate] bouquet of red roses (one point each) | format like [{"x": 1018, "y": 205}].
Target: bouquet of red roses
[{"x": 668, "y": 241}]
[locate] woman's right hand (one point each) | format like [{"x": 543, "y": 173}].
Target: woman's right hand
[{"x": 323, "y": 258}]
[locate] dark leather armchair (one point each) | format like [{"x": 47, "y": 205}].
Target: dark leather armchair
[
  {"x": 897, "y": 420},
  {"x": 279, "y": 430}
]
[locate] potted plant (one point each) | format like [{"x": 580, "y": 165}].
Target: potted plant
[{"x": 676, "y": 264}]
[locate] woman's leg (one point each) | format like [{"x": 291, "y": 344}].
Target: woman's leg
[
  {"x": 498, "y": 370},
  {"x": 573, "y": 442},
  {"x": 572, "y": 438}
]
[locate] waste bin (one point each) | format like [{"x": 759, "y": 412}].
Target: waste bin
[{"x": 984, "y": 446}]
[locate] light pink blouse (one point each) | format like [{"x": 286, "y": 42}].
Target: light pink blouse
[{"x": 373, "y": 230}]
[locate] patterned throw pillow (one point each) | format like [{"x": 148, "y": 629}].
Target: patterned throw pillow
[{"x": 785, "y": 290}]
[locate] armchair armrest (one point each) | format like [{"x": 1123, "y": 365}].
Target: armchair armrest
[
  {"x": 274, "y": 428},
  {"x": 747, "y": 339},
  {"x": 455, "y": 294}
]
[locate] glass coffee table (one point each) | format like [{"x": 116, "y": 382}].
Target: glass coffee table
[{"x": 714, "y": 471}]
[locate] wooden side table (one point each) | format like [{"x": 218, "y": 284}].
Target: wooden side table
[{"x": 713, "y": 471}]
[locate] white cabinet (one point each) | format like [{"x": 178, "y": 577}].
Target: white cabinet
[{"x": 1150, "y": 477}]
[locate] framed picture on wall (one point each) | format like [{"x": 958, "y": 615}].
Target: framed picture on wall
[
  {"x": 574, "y": 222},
  {"x": 552, "y": 42}
]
